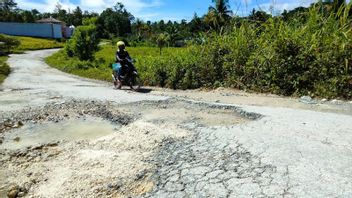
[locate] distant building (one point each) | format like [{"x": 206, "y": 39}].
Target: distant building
[
  {"x": 51, "y": 20},
  {"x": 46, "y": 28},
  {"x": 66, "y": 31}
]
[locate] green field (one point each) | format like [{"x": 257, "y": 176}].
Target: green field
[{"x": 100, "y": 68}]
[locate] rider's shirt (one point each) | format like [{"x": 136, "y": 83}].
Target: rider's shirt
[{"x": 122, "y": 56}]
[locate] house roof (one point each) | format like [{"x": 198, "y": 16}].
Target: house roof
[{"x": 49, "y": 20}]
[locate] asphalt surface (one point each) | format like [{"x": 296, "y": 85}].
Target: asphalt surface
[{"x": 278, "y": 152}]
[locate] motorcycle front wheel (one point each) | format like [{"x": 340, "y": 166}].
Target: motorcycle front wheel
[{"x": 135, "y": 83}]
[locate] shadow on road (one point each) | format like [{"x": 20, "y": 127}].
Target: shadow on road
[
  {"x": 144, "y": 90},
  {"x": 140, "y": 90}
]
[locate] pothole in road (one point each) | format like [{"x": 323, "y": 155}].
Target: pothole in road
[
  {"x": 180, "y": 112},
  {"x": 68, "y": 130},
  {"x": 122, "y": 164},
  {"x": 70, "y": 121}
]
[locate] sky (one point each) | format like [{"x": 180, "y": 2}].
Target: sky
[{"x": 173, "y": 10}]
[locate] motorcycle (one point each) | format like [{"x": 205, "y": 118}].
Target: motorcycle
[{"x": 130, "y": 78}]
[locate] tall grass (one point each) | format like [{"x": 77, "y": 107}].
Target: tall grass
[{"x": 289, "y": 58}]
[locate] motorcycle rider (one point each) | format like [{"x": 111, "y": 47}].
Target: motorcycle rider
[{"x": 125, "y": 60}]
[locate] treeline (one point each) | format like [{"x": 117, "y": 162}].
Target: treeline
[{"x": 9, "y": 12}]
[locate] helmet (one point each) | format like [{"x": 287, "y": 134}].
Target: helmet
[{"x": 120, "y": 44}]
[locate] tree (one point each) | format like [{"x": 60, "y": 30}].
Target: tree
[
  {"x": 77, "y": 16},
  {"x": 219, "y": 14},
  {"x": 162, "y": 40},
  {"x": 197, "y": 24},
  {"x": 114, "y": 22},
  {"x": 27, "y": 16},
  {"x": 161, "y": 26},
  {"x": 84, "y": 42},
  {"x": 58, "y": 7},
  {"x": 36, "y": 14},
  {"x": 173, "y": 33},
  {"x": 297, "y": 13},
  {"x": 222, "y": 8},
  {"x": 138, "y": 25},
  {"x": 259, "y": 16},
  {"x": 7, "y": 5},
  {"x": 7, "y": 10},
  {"x": 8, "y": 43}
]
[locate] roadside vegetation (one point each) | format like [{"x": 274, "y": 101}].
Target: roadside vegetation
[
  {"x": 4, "y": 68},
  {"x": 305, "y": 51},
  {"x": 30, "y": 43},
  {"x": 100, "y": 67},
  {"x": 7, "y": 44}
]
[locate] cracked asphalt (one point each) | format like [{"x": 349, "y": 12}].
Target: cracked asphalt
[
  {"x": 305, "y": 154},
  {"x": 275, "y": 151}
]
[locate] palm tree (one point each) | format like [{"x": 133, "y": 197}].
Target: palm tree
[
  {"x": 139, "y": 26},
  {"x": 218, "y": 14},
  {"x": 221, "y": 8},
  {"x": 162, "y": 40}
]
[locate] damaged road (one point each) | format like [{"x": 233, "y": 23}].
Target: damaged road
[{"x": 161, "y": 144}]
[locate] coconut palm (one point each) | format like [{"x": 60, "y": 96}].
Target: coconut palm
[
  {"x": 221, "y": 8},
  {"x": 139, "y": 26},
  {"x": 218, "y": 14}
]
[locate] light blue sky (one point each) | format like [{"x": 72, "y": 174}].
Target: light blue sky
[{"x": 164, "y": 9}]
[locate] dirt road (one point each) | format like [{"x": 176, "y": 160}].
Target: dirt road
[{"x": 65, "y": 136}]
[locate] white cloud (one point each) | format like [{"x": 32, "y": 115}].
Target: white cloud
[
  {"x": 46, "y": 6},
  {"x": 136, "y": 7},
  {"x": 281, "y": 5},
  {"x": 93, "y": 3}
]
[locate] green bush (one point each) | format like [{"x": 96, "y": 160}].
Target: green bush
[
  {"x": 84, "y": 43},
  {"x": 4, "y": 68},
  {"x": 8, "y": 43}
]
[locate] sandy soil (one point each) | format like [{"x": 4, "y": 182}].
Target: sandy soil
[{"x": 166, "y": 143}]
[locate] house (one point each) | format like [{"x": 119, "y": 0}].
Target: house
[
  {"x": 66, "y": 31},
  {"x": 45, "y": 28}
]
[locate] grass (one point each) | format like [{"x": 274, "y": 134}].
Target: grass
[
  {"x": 30, "y": 43},
  {"x": 100, "y": 68},
  {"x": 4, "y": 68}
]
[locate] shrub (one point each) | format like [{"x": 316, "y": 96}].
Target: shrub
[
  {"x": 84, "y": 43},
  {"x": 4, "y": 68},
  {"x": 8, "y": 43}
]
